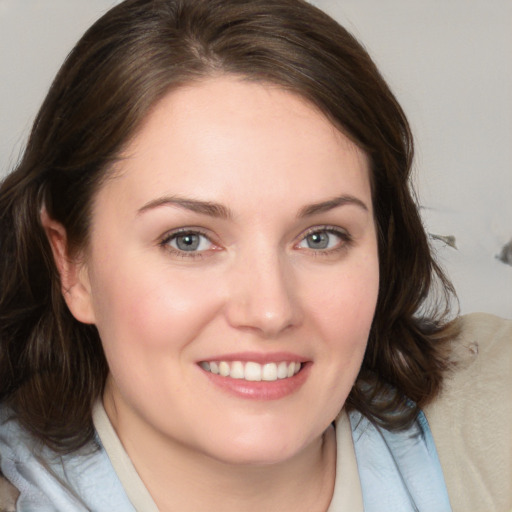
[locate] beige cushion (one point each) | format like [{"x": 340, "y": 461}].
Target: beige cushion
[
  {"x": 471, "y": 421},
  {"x": 8, "y": 495}
]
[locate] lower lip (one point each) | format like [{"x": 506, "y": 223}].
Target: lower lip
[{"x": 261, "y": 390}]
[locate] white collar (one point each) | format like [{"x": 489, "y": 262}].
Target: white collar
[{"x": 347, "y": 489}]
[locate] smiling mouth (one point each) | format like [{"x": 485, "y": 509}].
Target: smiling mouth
[{"x": 251, "y": 371}]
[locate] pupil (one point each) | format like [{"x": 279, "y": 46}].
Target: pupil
[
  {"x": 318, "y": 241},
  {"x": 188, "y": 242}
]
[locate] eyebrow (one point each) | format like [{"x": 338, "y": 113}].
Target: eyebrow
[
  {"x": 335, "y": 202},
  {"x": 220, "y": 211},
  {"x": 202, "y": 207}
]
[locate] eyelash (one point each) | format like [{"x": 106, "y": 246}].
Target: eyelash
[{"x": 345, "y": 241}]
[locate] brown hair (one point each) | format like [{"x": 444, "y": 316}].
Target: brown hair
[{"x": 52, "y": 368}]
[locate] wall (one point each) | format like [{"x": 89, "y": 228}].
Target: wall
[{"x": 449, "y": 63}]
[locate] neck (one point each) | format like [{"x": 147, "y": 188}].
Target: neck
[{"x": 180, "y": 478}]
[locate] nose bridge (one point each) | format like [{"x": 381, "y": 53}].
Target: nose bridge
[{"x": 263, "y": 295}]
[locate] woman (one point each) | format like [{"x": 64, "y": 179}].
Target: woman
[{"x": 175, "y": 335}]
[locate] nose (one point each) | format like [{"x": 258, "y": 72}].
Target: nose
[{"x": 263, "y": 295}]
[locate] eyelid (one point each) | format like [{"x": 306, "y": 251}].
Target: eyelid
[{"x": 183, "y": 231}]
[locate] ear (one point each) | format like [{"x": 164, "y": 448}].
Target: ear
[{"x": 74, "y": 277}]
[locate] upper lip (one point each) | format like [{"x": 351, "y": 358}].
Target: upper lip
[{"x": 258, "y": 357}]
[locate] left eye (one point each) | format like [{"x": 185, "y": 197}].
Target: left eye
[
  {"x": 189, "y": 241},
  {"x": 321, "y": 240}
]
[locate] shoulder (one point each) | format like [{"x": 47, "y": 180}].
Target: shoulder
[
  {"x": 471, "y": 420},
  {"x": 38, "y": 478}
]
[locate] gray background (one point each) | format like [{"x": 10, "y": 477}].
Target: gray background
[{"x": 448, "y": 61}]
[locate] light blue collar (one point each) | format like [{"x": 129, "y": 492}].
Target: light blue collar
[{"x": 399, "y": 471}]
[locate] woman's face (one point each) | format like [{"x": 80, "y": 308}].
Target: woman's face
[{"x": 232, "y": 273}]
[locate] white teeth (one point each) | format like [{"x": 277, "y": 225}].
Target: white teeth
[
  {"x": 237, "y": 370},
  {"x": 282, "y": 371},
  {"x": 252, "y": 371},
  {"x": 269, "y": 372},
  {"x": 224, "y": 368}
]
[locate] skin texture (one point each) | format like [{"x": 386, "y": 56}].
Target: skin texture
[{"x": 255, "y": 287}]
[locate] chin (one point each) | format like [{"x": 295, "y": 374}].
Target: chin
[{"x": 255, "y": 448}]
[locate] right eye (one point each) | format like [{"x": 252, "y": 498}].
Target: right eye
[{"x": 187, "y": 241}]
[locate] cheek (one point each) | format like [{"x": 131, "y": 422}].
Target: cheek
[
  {"x": 144, "y": 306},
  {"x": 343, "y": 316},
  {"x": 346, "y": 306}
]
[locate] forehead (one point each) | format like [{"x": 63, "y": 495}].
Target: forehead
[{"x": 225, "y": 135}]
